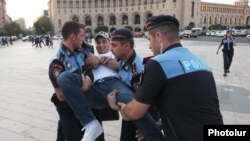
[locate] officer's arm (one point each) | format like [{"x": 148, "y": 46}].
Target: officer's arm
[
  {"x": 129, "y": 112},
  {"x": 219, "y": 46},
  {"x": 56, "y": 67}
]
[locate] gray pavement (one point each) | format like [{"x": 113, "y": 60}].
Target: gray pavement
[{"x": 26, "y": 113}]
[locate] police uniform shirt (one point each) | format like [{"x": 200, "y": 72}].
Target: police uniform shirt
[
  {"x": 65, "y": 60},
  {"x": 227, "y": 44},
  {"x": 126, "y": 69},
  {"x": 183, "y": 89}
]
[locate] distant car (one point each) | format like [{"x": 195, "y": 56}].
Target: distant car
[
  {"x": 57, "y": 37},
  {"x": 248, "y": 37},
  {"x": 26, "y": 38}
]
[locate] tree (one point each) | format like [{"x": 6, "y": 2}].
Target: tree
[
  {"x": 3, "y": 32},
  {"x": 43, "y": 25},
  {"x": 12, "y": 28}
]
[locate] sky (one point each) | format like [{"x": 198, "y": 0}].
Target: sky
[
  {"x": 27, "y": 9},
  {"x": 31, "y": 9}
]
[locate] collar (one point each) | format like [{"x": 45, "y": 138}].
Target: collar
[
  {"x": 173, "y": 46},
  {"x": 67, "y": 51},
  {"x": 129, "y": 62}
]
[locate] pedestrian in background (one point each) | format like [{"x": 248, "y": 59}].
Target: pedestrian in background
[{"x": 228, "y": 43}]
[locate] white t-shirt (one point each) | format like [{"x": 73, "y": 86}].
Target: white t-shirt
[{"x": 103, "y": 71}]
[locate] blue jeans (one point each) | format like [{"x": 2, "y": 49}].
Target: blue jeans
[{"x": 96, "y": 98}]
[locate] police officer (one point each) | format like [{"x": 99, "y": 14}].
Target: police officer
[
  {"x": 228, "y": 44},
  {"x": 130, "y": 69},
  {"x": 180, "y": 83},
  {"x": 69, "y": 61}
]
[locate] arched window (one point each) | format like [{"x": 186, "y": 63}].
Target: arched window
[
  {"x": 60, "y": 22},
  {"x": 88, "y": 21},
  {"x": 124, "y": 19},
  {"x": 137, "y": 19},
  {"x": 149, "y": 15},
  {"x": 205, "y": 20},
  {"x": 210, "y": 20},
  {"x": 112, "y": 20},
  {"x": 221, "y": 19},
  {"x": 100, "y": 21},
  {"x": 75, "y": 19}
]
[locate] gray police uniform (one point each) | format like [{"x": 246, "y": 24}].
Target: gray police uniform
[{"x": 183, "y": 88}]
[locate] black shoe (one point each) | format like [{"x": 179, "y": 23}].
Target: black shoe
[
  {"x": 228, "y": 71},
  {"x": 224, "y": 74}
]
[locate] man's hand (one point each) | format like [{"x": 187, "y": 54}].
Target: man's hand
[
  {"x": 113, "y": 101},
  {"x": 122, "y": 110},
  {"x": 86, "y": 83},
  {"x": 92, "y": 60},
  {"x": 104, "y": 60},
  {"x": 217, "y": 52},
  {"x": 139, "y": 136}
]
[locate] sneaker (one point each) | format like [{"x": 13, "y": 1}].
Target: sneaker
[
  {"x": 224, "y": 74},
  {"x": 92, "y": 131},
  {"x": 228, "y": 71}
]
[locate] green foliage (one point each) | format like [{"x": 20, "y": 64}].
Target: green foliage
[
  {"x": 43, "y": 25},
  {"x": 217, "y": 27},
  {"x": 12, "y": 28},
  {"x": 101, "y": 28},
  {"x": 3, "y": 32}
]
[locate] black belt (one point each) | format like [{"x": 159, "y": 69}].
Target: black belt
[{"x": 106, "y": 79}]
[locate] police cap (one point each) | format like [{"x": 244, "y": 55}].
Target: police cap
[
  {"x": 156, "y": 21},
  {"x": 122, "y": 34}
]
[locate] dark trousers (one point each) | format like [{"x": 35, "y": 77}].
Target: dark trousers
[
  {"x": 228, "y": 58},
  {"x": 128, "y": 129},
  {"x": 69, "y": 127}
]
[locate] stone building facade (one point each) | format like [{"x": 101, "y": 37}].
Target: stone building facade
[
  {"x": 121, "y": 13},
  {"x": 3, "y": 14}
]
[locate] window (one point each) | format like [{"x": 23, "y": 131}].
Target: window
[
  {"x": 137, "y": 19},
  {"x": 102, "y": 3},
  {"x": 124, "y": 19},
  {"x": 96, "y": 3},
  {"x": 90, "y": 4},
  {"x": 71, "y": 4},
  {"x": 112, "y": 20},
  {"x": 192, "y": 14},
  {"x": 83, "y": 4},
  {"x": 120, "y": 3},
  {"x": 126, "y": 2},
  {"x": 58, "y": 4},
  {"x": 108, "y": 3},
  {"x": 114, "y": 3},
  {"x": 88, "y": 21},
  {"x": 100, "y": 21}
]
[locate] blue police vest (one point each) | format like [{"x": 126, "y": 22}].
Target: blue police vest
[
  {"x": 73, "y": 62},
  {"x": 125, "y": 72},
  {"x": 178, "y": 61}
]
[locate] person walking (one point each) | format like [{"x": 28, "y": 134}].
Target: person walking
[
  {"x": 228, "y": 43},
  {"x": 180, "y": 84}
]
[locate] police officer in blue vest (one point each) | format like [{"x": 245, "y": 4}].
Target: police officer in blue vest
[
  {"x": 228, "y": 44},
  {"x": 69, "y": 62},
  {"x": 180, "y": 84}
]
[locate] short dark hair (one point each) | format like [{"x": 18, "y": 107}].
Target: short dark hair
[
  {"x": 171, "y": 31},
  {"x": 71, "y": 27}
]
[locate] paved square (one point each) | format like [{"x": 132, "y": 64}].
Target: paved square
[{"x": 26, "y": 113}]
